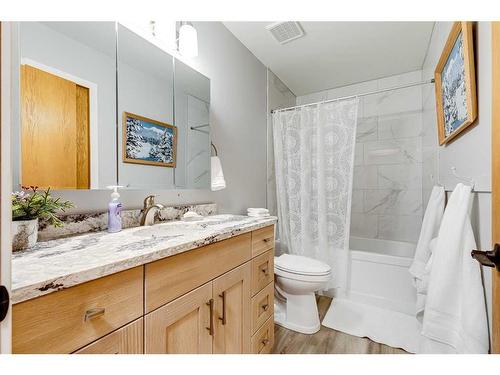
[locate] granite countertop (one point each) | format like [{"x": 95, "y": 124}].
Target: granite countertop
[{"x": 58, "y": 264}]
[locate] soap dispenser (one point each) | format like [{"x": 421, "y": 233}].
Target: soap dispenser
[{"x": 114, "y": 211}]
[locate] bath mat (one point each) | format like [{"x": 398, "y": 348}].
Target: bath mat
[{"x": 380, "y": 325}]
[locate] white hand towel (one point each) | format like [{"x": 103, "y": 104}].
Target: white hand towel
[
  {"x": 455, "y": 312},
  {"x": 258, "y": 210},
  {"x": 430, "y": 227},
  {"x": 217, "y": 176},
  {"x": 422, "y": 283}
]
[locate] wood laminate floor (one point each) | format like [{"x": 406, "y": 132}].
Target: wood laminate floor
[{"x": 326, "y": 341}]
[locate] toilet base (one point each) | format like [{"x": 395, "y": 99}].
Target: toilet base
[{"x": 298, "y": 313}]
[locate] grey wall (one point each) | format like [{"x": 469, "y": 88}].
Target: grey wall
[
  {"x": 470, "y": 153},
  {"x": 238, "y": 120}
]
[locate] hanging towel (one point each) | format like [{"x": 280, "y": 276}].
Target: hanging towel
[
  {"x": 217, "y": 180},
  {"x": 455, "y": 313},
  {"x": 422, "y": 283},
  {"x": 430, "y": 227}
]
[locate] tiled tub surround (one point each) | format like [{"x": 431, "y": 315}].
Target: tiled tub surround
[
  {"x": 387, "y": 182},
  {"x": 95, "y": 222},
  {"x": 58, "y": 264}
]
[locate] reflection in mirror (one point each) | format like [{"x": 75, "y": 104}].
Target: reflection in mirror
[
  {"x": 147, "y": 135},
  {"x": 192, "y": 118},
  {"x": 66, "y": 134}
]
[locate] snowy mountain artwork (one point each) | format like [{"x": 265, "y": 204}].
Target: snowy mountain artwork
[
  {"x": 147, "y": 141},
  {"x": 454, "y": 89},
  {"x": 455, "y": 83}
]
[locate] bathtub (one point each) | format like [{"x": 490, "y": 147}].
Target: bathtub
[{"x": 378, "y": 274}]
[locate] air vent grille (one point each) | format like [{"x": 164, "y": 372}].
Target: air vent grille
[{"x": 285, "y": 32}]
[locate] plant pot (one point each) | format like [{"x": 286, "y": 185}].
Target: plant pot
[{"x": 24, "y": 234}]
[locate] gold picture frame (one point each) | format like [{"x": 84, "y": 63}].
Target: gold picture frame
[
  {"x": 146, "y": 131},
  {"x": 455, "y": 83}
]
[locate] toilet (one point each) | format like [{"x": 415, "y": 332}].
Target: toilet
[{"x": 297, "y": 278}]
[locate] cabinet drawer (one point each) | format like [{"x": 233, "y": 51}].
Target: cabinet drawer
[
  {"x": 262, "y": 271},
  {"x": 174, "y": 276},
  {"x": 64, "y": 321},
  {"x": 262, "y": 240},
  {"x": 263, "y": 340},
  {"x": 126, "y": 340},
  {"x": 262, "y": 306}
]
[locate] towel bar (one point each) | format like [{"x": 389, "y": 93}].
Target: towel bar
[{"x": 488, "y": 258}]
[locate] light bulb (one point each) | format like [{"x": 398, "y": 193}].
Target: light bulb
[{"x": 188, "y": 41}]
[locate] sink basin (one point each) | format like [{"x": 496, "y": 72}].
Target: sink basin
[{"x": 161, "y": 230}]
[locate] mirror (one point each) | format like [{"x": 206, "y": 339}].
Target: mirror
[
  {"x": 147, "y": 149},
  {"x": 65, "y": 137},
  {"x": 192, "y": 118},
  {"x": 96, "y": 108}
]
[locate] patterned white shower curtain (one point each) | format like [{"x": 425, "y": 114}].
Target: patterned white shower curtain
[{"x": 314, "y": 157}]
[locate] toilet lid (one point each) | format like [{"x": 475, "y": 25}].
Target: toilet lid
[{"x": 301, "y": 265}]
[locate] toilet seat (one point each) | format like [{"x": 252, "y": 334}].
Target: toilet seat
[{"x": 301, "y": 266}]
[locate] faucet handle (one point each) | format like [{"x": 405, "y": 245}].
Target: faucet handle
[{"x": 149, "y": 200}]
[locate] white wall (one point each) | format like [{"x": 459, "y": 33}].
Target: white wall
[
  {"x": 238, "y": 125},
  {"x": 387, "y": 189},
  {"x": 470, "y": 153}
]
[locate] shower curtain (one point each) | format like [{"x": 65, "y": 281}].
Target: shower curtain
[{"x": 314, "y": 158}]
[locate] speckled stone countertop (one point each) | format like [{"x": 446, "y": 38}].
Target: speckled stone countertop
[{"x": 58, "y": 264}]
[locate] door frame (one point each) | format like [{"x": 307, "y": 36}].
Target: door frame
[
  {"x": 5, "y": 179},
  {"x": 495, "y": 178}
]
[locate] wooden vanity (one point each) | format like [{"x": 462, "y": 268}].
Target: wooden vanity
[{"x": 218, "y": 298}]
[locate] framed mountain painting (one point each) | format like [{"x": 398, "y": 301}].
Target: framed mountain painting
[
  {"x": 455, "y": 83},
  {"x": 147, "y": 141}
]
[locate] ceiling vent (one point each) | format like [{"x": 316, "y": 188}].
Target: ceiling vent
[{"x": 285, "y": 32}]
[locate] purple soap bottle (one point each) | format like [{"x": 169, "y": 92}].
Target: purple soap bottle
[{"x": 114, "y": 211}]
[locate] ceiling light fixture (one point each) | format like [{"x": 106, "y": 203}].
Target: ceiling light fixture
[{"x": 188, "y": 40}]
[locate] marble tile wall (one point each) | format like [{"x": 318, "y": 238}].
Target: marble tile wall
[{"x": 387, "y": 183}]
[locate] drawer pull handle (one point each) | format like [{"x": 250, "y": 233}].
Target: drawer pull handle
[
  {"x": 223, "y": 296},
  {"x": 265, "y": 342},
  {"x": 265, "y": 271},
  {"x": 266, "y": 240},
  {"x": 265, "y": 307},
  {"x": 93, "y": 313},
  {"x": 211, "y": 327}
]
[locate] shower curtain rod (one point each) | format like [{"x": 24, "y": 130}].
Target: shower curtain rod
[{"x": 355, "y": 96}]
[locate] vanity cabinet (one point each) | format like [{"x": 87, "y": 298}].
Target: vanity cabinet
[
  {"x": 217, "y": 298},
  {"x": 126, "y": 340},
  {"x": 182, "y": 326}
]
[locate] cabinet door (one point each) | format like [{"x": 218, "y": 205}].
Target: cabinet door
[
  {"x": 126, "y": 340},
  {"x": 183, "y": 325},
  {"x": 231, "y": 293}
]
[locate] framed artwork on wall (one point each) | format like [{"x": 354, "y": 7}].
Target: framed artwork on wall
[
  {"x": 455, "y": 83},
  {"x": 147, "y": 141}
]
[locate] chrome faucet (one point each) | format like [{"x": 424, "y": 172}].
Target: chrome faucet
[{"x": 149, "y": 206}]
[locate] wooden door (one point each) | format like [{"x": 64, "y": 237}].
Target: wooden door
[
  {"x": 495, "y": 188},
  {"x": 182, "y": 326},
  {"x": 231, "y": 293},
  {"x": 126, "y": 340},
  {"x": 55, "y": 150}
]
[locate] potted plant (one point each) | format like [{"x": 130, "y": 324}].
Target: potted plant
[{"x": 29, "y": 205}]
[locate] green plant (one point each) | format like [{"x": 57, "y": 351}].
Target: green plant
[{"x": 29, "y": 204}]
